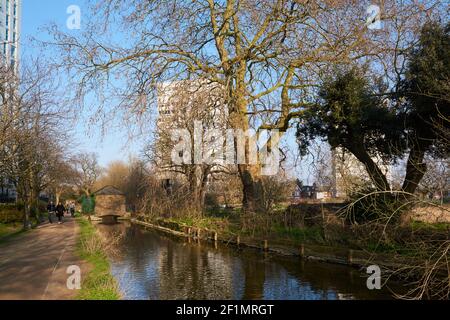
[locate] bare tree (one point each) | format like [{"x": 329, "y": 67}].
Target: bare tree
[
  {"x": 269, "y": 58},
  {"x": 88, "y": 172},
  {"x": 190, "y": 106},
  {"x": 227, "y": 189},
  {"x": 115, "y": 174},
  {"x": 137, "y": 183},
  {"x": 129, "y": 177},
  {"x": 30, "y": 113},
  {"x": 61, "y": 178}
]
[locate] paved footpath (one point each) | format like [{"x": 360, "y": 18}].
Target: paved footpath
[{"x": 33, "y": 266}]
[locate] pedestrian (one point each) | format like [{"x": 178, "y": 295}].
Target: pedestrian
[
  {"x": 60, "y": 212},
  {"x": 51, "y": 210},
  {"x": 72, "y": 209}
]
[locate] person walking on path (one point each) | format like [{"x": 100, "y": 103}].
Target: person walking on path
[
  {"x": 60, "y": 212},
  {"x": 51, "y": 211},
  {"x": 72, "y": 209}
]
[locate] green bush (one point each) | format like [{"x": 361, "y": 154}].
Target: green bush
[
  {"x": 39, "y": 211},
  {"x": 10, "y": 213},
  {"x": 211, "y": 200},
  {"x": 13, "y": 212},
  {"x": 87, "y": 204}
]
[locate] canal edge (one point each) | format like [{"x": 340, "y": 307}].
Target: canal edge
[{"x": 349, "y": 257}]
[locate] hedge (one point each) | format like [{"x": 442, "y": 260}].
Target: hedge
[{"x": 10, "y": 213}]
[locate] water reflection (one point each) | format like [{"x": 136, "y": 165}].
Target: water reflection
[{"x": 153, "y": 265}]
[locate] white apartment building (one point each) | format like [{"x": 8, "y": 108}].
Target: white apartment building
[
  {"x": 348, "y": 172},
  {"x": 10, "y": 18},
  {"x": 180, "y": 105}
]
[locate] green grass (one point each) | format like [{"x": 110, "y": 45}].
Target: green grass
[
  {"x": 230, "y": 226},
  {"x": 9, "y": 230},
  {"x": 99, "y": 284},
  {"x": 307, "y": 234},
  {"x": 212, "y": 223}
]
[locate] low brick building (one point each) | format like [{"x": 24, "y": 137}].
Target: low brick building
[{"x": 109, "y": 201}]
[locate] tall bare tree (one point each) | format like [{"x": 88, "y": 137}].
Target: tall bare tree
[
  {"x": 195, "y": 108},
  {"x": 31, "y": 109},
  {"x": 269, "y": 56},
  {"x": 88, "y": 172}
]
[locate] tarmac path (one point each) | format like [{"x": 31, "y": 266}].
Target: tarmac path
[{"x": 33, "y": 266}]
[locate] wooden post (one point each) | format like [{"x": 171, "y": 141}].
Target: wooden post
[
  {"x": 238, "y": 240},
  {"x": 350, "y": 256},
  {"x": 302, "y": 251},
  {"x": 216, "y": 238},
  {"x": 199, "y": 233},
  {"x": 266, "y": 245},
  {"x": 189, "y": 231}
]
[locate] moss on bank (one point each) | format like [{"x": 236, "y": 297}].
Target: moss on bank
[{"x": 99, "y": 284}]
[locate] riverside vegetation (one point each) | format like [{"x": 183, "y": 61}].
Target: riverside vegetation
[{"x": 99, "y": 284}]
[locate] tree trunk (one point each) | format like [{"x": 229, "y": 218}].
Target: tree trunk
[
  {"x": 34, "y": 195},
  {"x": 376, "y": 175},
  {"x": 26, "y": 216},
  {"x": 203, "y": 183},
  {"x": 57, "y": 197},
  {"x": 415, "y": 169},
  {"x": 23, "y": 195},
  {"x": 249, "y": 173},
  {"x": 252, "y": 188},
  {"x": 198, "y": 178}
]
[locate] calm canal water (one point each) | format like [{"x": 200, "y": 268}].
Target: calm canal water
[{"x": 152, "y": 265}]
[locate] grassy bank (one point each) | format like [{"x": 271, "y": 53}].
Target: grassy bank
[
  {"x": 281, "y": 231},
  {"x": 99, "y": 284},
  {"x": 8, "y": 230}
]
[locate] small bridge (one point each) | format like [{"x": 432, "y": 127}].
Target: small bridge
[
  {"x": 109, "y": 204},
  {"x": 109, "y": 219}
]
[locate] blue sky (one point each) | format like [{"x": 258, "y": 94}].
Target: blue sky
[{"x": 35, "y": 15}]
